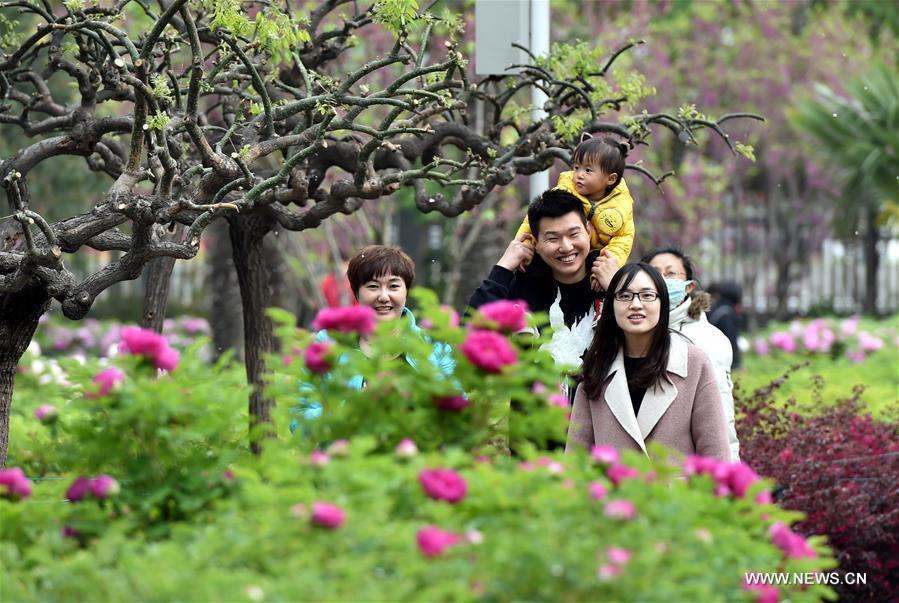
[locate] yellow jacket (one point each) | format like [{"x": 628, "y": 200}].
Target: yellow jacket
[{"x": 612, "y": 218}]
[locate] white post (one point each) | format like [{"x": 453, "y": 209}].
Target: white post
[{"x": 539, "y": 46}]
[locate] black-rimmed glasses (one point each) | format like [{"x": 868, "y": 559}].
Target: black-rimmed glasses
[{"x": 643, "y": 296}]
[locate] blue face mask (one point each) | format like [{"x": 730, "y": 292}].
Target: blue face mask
[{"x": 677, "y": 290}]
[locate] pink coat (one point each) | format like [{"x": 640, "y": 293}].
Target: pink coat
[{"x": 684, "y": 413}]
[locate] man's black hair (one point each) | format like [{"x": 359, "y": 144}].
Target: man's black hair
[
  {"x": 553, "y": 203},
  {"x": 675, "y": 251}
]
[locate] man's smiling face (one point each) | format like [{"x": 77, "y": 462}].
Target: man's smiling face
[{"x": 564, "y": 243}]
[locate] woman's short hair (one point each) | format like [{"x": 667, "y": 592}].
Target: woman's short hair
[
  {"x": 609, "y": 337},
  {"x": 376, "y": 261}
]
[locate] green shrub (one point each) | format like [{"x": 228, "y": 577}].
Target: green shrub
[{"x": 199, "y": 518}]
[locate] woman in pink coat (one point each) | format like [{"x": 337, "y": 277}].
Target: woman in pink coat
[{"x": 642, "y": 383}]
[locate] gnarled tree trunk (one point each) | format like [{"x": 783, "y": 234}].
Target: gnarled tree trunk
[
  {"x": 247, "y": 234},
  {"x": 225, "y": 315},
  {"x": 19, "y": 315}
]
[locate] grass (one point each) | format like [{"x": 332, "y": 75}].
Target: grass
[{"x": 878, "y": 373}]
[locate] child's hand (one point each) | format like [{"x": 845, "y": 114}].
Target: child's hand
[
  {"x": 602, "y": 271},
  {"x": 518, "y": 254}
]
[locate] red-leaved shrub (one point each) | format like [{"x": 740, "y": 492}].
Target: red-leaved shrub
[{"x": 841, "y": 468}]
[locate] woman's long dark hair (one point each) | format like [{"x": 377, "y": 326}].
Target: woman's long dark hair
[{"x": 609, "y": 337}]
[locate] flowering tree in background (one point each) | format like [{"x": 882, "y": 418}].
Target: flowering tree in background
[{"x": 198, "y": 111}]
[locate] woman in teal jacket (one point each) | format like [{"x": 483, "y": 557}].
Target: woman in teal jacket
[{"x": 380, "y": 277}]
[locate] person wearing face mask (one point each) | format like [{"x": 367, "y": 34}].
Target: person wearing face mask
[
  {"x": 642, "y": 383},
  {"x": 688, "y": 316}
]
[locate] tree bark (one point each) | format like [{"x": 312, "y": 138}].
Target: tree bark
[
  {"x": 156, "y": 289},
  {"x": 872, "y": 262},
  {"x": 19, "y": 315},
  {"x": 225, "y": 316},
  {"x": 247, "y": 234}
]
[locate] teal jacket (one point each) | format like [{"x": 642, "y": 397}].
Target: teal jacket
[{"x": 441, "y": 358}]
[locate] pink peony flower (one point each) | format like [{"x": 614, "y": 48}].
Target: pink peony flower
[
  {"x": 855, "y": 356},
  {"x": 619, "y": 473},
  {"x": 598, "y": 491},
  {"x": 694, "y": 465},
  {"x": 868, "y": 342},
  {"x": 319, "y": 458},
  {"x": 406, "y": 449},
  {"x": 764, "y": 498},
  {"x": 507, "y": 315},
  {"x": 339, "y": 448},
  {"x": 13, "y": 484},
  {"x": 620, "y": 509},
  {"x": 167, "y": 359},
  {"x": 451, "y": 403},
  {"x": 488, "y": 350},
  {"x": 453, "y": 315},
  {"x": 783, "y": 341},
  {"x": 618, "y": 556},
  {"x": 80, "y": 488},
  {"x": 432, "y": 541},
  {"x": 849, "y": 326},
  {"x": 443, "y": 484},
  {"x": 761, "y": 346},
  {"x": 69, "y": 532},
  {"x": 608, "y": 571},
  {"x": 349, "y": 319},
  {"x": 327, "y": 515},
  {"x": 792, "y": 544},
  {"x": 46, "y": 414},
  {"x": 315, "y": 354},
  {"x": 103, "y": 486},
  {"x": 606, "y": 455},
  {"x": 108, "y": 379},
  {"x": 740, "y": 476}
]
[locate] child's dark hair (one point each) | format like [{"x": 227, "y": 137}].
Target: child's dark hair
[
  {"x": 553, "y": 203},
  {"x": 606, "y": 152}
]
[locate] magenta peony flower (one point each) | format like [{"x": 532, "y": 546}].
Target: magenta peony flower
[
  {"x": 142, "y": 342},
  {"x": 620, "y": 509},
  {"x": 432, "y": 541},
  {"x": 406, "y": 449},
  {"x": 108, "y": 379},
  {"x": 80, "y": 488},
  {"x": 488, "y": 351},
  {"x": 451, "y": 403},
  {"x": 694, "y": 465},
  {"x": 507, "y": 315},
  {"x": 13, "y": 484},
  {"x": 167, "y": 359},
  {"x": 792, "y": 544},
  {"x": 46, "y": 414},
  {"x": 327, "y": 515},
  {"x": 453, "y": 316},
  {"x": 103, "y": 486},
  {"x": 316, "y": 360},
  {"x": 558, "y": 400},
  {"x": 69, "y": 532},
  {"x": 619, "y": 473},
  {"x": 740, "y": 477},
  {"x": 350, "y": 319},
  {"x": 761, "y": 346},
  {"x": 765, "y": 593},
  {"x": 607, "y": 455},
  {"x": 598, "y": 491},
  {"x": 443, "y": 484}
]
